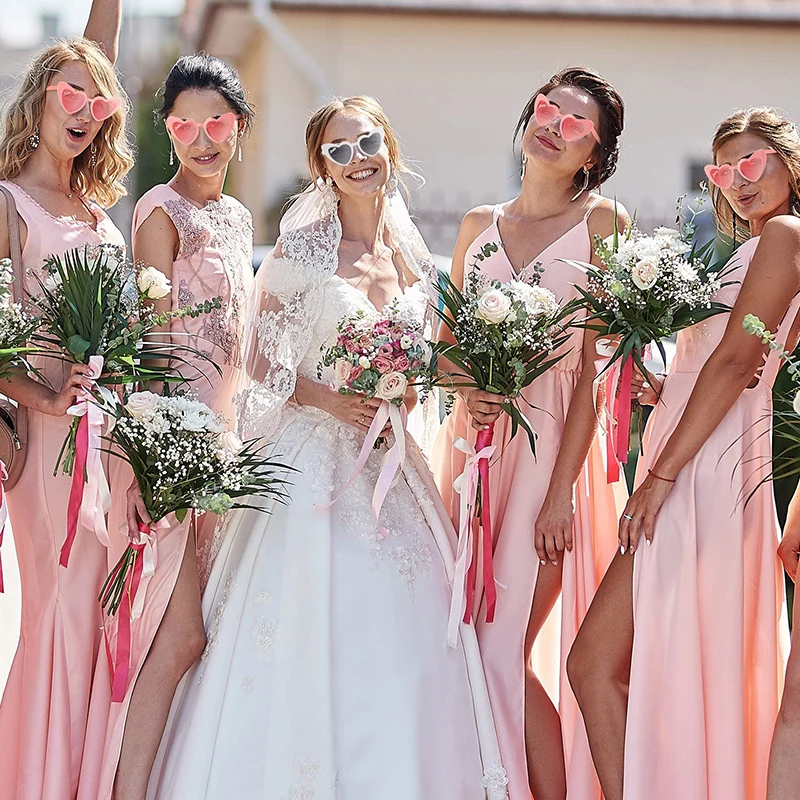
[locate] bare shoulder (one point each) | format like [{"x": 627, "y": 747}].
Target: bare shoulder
[
  {"x": 782, "y": 232},
  {"x": 476, "y": 221},
  {"x": 605, "y": 214}
]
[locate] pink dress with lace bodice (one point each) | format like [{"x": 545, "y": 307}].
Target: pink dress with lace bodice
[
  {"x": 215, "y": 259},
  {"x": 519, "y": 483},
  {"x": 43, "y": 715}
]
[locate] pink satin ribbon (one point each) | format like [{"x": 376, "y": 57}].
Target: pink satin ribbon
[
  {"x": 466, "y": 486},
  {"x": 392, "y": 462},
  {"x": 89, "y": 497},
  {"x": 131, "y": 608},
  {"x": 3, "y": 518}
]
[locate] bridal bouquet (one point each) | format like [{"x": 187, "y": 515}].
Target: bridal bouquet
[
  {"x": 649, "y": 287},
  {"x": 506, "y": 335},
  {"x": 381, "y": 356},
  {"x": 16, "y": 326},
  {"x": 183, "y": 458}
]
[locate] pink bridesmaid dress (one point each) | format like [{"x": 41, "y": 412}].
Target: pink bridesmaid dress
[
  {"x": 215, "y": 259},
  {"x": 519, "y": 484},
  {"x": 709, "y": 645},
  {"x": 44, "y": 710}
]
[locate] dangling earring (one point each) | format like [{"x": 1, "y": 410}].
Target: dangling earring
[
  {"x": 585, "y": 184},
  {"x": 522, "y": 168},
  {"x": 391, "y": 185},
  {"x": 329, "y": 198},
  {"x": 240, "y": 152},
  {"x": 93, "y": 159},
  {"x": 171, "y": 153},
  {"x": 33, "y": 140}
]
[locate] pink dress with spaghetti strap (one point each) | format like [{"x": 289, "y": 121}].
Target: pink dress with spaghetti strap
[
  {"x": 215, "y": 259},
  {"x": 709, "y": 644},
  {"x": 43, "y": 714},
  {"x": 519, "y": 483}
]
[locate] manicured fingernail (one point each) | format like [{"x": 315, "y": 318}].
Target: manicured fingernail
[
  {"x": 543, "y": 562},
  {"x": 555, "y": 563},
  {"x": 632, "y": 549},
  {"x": 622, "y": 549},
  {"x": 648, "y": 542},
  {"x": 486, "y": 427}
]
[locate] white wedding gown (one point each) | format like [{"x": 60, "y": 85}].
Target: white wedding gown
[{"x": 327, "y": 675}]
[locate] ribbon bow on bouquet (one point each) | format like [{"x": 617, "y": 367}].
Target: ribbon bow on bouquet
[
  {"x": 617, "y": 405},
  {"x": 472, "y": 486},
  {"x": 392, "y": 463},
  {"x": 90, "y": 496}
]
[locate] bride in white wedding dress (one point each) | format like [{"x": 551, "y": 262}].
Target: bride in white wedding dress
[{"x": 327, "y": 674}]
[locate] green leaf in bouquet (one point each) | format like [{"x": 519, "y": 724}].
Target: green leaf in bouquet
[{"x": 77, "y": 346}]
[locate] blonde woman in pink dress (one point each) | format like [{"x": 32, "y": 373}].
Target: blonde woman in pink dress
[
  {"x": 554, "y": 516},
  {"x": 61, "y": 168},
  {"x": 202, "y": 240},
  {"x": 678, "y": 667}
]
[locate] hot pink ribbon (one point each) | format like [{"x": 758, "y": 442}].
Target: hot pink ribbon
[
  {"x": 131, "y": 608},
  {"x": 617, "y": 411},
  {"x": 392, "y": 462},
  {"x": 89, "y": 497},
  {"x": 3, "y": 517},
  {"x": 466, "y": 486}
]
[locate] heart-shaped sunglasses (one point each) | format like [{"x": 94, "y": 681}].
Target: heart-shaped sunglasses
[
  {"x": 342, "y": 153},
  {"x": 218, "y": 128},
  {"x": 73, "y": 100},
  {"x": 571, "y": 129},
  {"x": 751, "y": 168}
]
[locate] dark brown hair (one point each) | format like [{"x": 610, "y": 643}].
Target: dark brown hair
[{"x": 612, "y": 119}]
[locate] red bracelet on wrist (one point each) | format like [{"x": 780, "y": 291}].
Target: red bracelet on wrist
[{"x": 660, "y": 477}]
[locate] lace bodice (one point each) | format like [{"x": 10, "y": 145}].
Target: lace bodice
[
  {"x": 214, "y": 259},
  {"x": 341, "y": 299}
]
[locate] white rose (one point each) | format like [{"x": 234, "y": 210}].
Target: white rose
[
  {"x": 645, "y": 273},
  {"x": 405, "y": 342},
  {"x": 140, "y": 403},
  {"x": 796, "y": 403},
  {"x": 364, "y": 362},
  {"x": 391, "y": 386},
  {"x": 341, "y": 372},
  {"x": 230, "y": 441},
  {"x": 153, "y": 283},
  {"x": 493, "y": 306}
]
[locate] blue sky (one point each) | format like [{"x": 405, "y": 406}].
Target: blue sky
[{"x": 19, "y": 21}]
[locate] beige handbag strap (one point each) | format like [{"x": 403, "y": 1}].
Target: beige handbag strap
[{"x": 15, "y": 247}]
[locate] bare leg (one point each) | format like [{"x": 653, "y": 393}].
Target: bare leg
[
  {"x": 783, "y": 781},
  {"x": 543, "y": 744},
  {"x": 178, "y": 644},
  {"x": 599, "y": 669}
]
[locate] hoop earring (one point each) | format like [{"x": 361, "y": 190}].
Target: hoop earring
[
  {"x": 391, "y": 185},
  {"x": 171, "y": 153},
  {"x": 93, "y": 159},
  {"x": 33, "y": 140},
  {"x": 585, "y": 184}
]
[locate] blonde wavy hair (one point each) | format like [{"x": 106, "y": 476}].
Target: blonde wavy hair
[
  {"x": 373, "y": 111},
  {"x": 781, "y": 135},
  {"x": 101, "y": 182}
]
